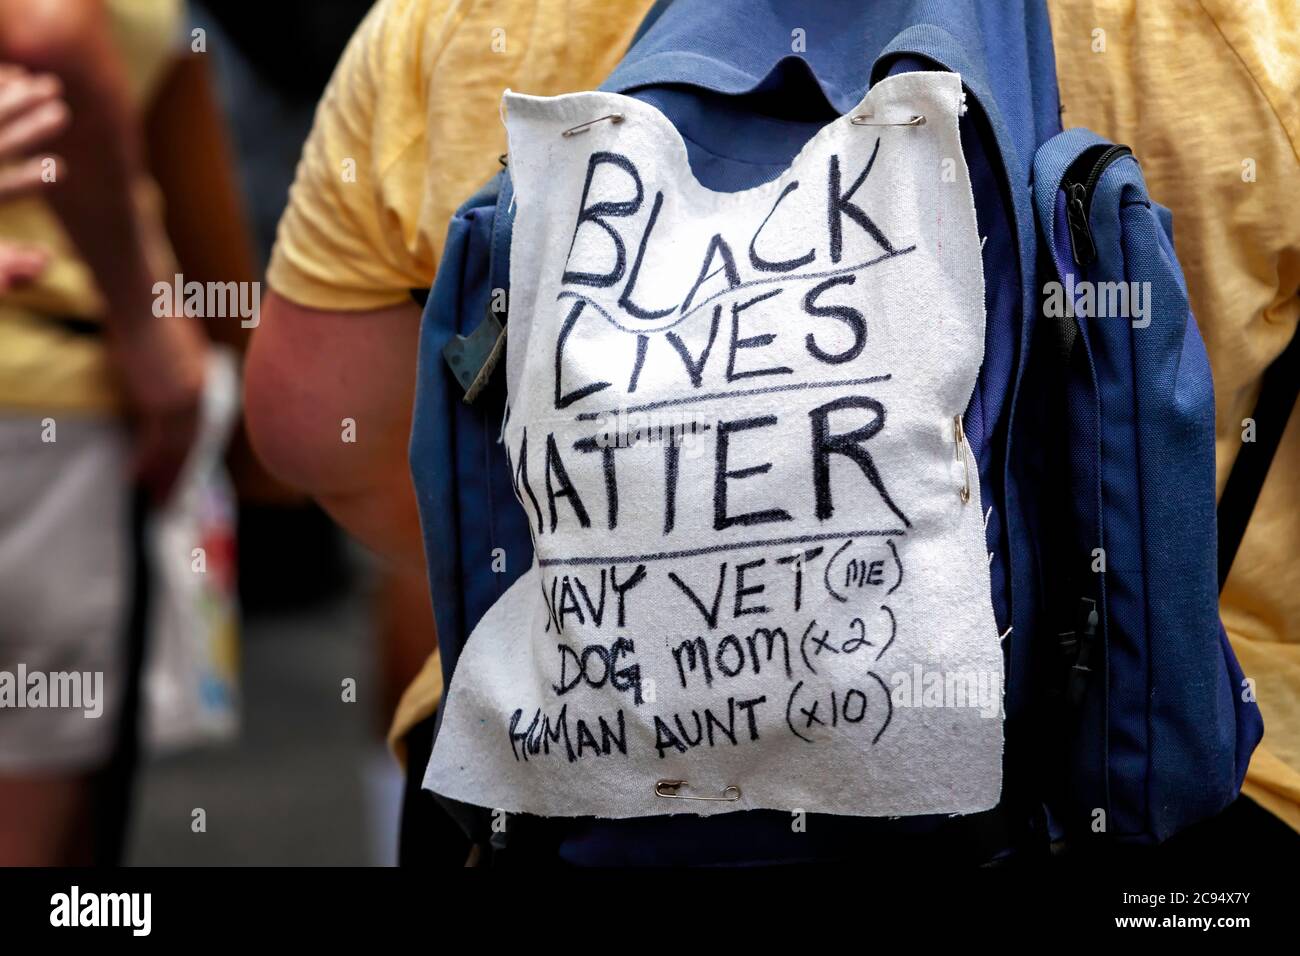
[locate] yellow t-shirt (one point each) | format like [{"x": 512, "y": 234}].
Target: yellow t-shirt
[
  {"x": 43, "y": 366},
  {"x": 1207, "y": 92},
  {"x": 409, "y": 128}
]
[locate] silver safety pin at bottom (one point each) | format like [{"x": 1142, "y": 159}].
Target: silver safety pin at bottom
[
  {"x": 868, "y": 119},
  {"x": 669, "y": 788},
  {"x": 963, "y": 455}
]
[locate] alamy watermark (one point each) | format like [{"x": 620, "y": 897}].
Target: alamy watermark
[
  {"x": 209, "y": 300},
  {"x": 75, "y": 908},
  {"x": 923, "y": 688},
  {"x": 1099, "y": 300},
  {"x": 624, "y": 428},
  {"x": 60, "y": 690}
]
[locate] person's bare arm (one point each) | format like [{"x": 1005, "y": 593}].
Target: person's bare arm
[
  {"x": 307, "y": 372},
  {"x": 159, "y": 360},
  {"x": 339, "y": 333}
]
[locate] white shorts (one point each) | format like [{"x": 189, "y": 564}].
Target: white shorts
[{"x": 65, "y": 591}]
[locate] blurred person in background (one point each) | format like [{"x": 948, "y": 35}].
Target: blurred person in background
[{"x": 99, "y": 396}]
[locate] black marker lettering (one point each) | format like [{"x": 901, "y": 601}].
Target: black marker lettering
[
  {"x": 569, "y": 602},
  {"x": 555, "y": 469},
  {"x": 597, "y": 213},
  {"x": 607, "y": 735},
  {"x": 839, "y": 206},
  {"x": 696, "y": 653},
  {"x": 621, "y": 589},
  {"x": 748, "y": 707},
  {"x": 665, "y": 739},
  {"x": 728, "y": 729},
  {"x": 586, "y": 738},
  {"x": 786, "y": 265},
  {"x": 521, "y": 479},
  {"x": 771, "y": 635},
  {"x": 641, "y": 342},
  {"x": 694, "y": 366},
  {"x": 565, "y": 400},
  {"x": 798, "y": 560},
  {"x": 625, "y": 300},
  {"x": 849, "y": 316},
  {"x": 627, "y": 678},
  {"x": 731, "y": 641},
  {"x": 685, "y": 735},
  {"x": 717, "y": 246},
  {"x": 849, "y": 444},
  {"x": 606, "y": 450},
  {"x": 672, "y": 456},
  {"x": 595, "y": 611},
  {"x": 710, "y": 614},
  {"x": 743, "y": 592},
  {"x": 722, "y": 475},
  {"x": 750, "y": 342}
]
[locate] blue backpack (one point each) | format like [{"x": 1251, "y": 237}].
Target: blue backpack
[{"x": 1127, "y": 716}]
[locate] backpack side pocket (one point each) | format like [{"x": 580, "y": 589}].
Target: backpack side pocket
[{"x": 1150, "y": 689}]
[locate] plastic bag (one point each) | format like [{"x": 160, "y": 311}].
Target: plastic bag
[{"x": 191, "y": 678}]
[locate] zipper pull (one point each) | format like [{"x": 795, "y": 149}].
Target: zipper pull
[{"x": 1076, "y": 214}]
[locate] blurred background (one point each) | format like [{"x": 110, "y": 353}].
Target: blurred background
[
  {"x": 268, "y": 714},
  {"x": 307, "y": 779}
]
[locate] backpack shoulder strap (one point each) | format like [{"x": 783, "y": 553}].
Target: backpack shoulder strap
[{"x": 1277, "y": 399}]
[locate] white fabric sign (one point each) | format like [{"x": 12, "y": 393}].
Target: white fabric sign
[{"x": 733, "y": 428}]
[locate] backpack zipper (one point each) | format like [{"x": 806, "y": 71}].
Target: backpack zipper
[{"x": 1078, "y": 203}]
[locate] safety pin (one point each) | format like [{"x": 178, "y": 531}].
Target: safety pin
[
  {"x": 963, "y": 455},
  {"x": 669, "y": 788},
  {"x": 865, "y": 119},
  {"x": 583, "y": 127}
]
